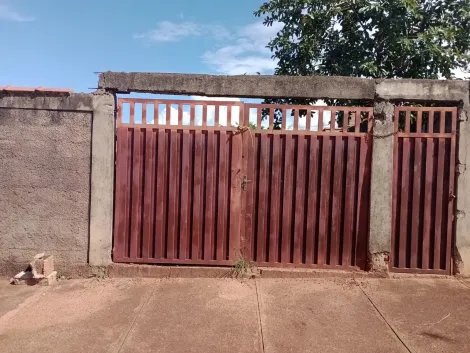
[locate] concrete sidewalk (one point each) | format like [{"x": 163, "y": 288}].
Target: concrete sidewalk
[{"x": 226, "y": 315}]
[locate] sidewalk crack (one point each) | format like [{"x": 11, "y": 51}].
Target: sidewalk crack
[
  {"x": 131, "y": 326},
  {"x": 260, "y": 323},
  {"x": 390, "y": 326}
]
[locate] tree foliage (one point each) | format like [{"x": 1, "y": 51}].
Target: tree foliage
[{"x": 374, "y": 39}]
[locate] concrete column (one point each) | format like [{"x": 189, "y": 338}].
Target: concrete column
[
  {"x": 102, "y": 180},
  {"x": 381, "y": 187},
  {"x": 462, "y": 234}
]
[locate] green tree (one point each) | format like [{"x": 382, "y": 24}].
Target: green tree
[{"x": 374, "y": 39}]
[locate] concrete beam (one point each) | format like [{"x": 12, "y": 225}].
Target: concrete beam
[
  {"x": 381, "y": 187},
  {"x": 461, "y": 252},
  {"x": 102, "y": 180},
  {"x": 422, "y": 90},
  {"x": 244, "y": 86}
]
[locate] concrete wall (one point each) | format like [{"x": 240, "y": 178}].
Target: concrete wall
[
  {"x": 381, "y": 92},
  {"x": 46, "y": 156}
]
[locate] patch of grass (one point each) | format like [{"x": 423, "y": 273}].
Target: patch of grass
[{"x": 242, "y": 267}]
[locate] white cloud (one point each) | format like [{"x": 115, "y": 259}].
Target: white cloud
[
  {"x": 167, "y": 31},
  {"x": 247, "y": 52},
  {"x": 6, "y": 13}
]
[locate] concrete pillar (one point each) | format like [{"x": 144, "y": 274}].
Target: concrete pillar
[
  {"x": 381, "y": 187},
  {"x": 462, "y": 234},
  {"x": 102, "y": 180}
]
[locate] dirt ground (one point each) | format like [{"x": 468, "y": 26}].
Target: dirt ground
[{"x": 229, "y": 315}]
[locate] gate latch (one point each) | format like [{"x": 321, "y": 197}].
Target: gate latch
[{"x": 245, "y": 181}]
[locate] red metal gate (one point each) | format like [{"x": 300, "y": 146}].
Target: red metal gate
[
  {"x": 196, "y": 184},
  {"x": 423, "y": 194},
  {"x": 309, "y": 204}
]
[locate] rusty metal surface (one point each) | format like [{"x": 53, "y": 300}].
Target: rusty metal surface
[
  {"x": 423, "y": 194},
  {"x": 199, "y": 189}
]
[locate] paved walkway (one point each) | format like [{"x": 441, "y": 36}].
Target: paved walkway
[{"x": 224, "y": 315}]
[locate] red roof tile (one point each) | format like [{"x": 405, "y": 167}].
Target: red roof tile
[{"x": 35, "y": 89}]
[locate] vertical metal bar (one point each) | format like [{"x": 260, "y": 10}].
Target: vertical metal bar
[
  {"x": 168, "y": 114},
  {"x": 320, "y": 119},
  {"x": 405, "y": 190},
  {"x": 264, "y": 155},
  {"x": 300, "y": 192},
  {"x": 428, "y": 188},
  {"x": 271, "y": 118},
  {"x": 144, "y": 114},
  {"x": 450, "y": 206},
  {"x": 416, "y": 209},
  {"x": 160, "y": 220},
  {"x": 204, "y": 114},
  {"x": 407, "y": 121},
  {"x": 419, "y": 122},
  {"x": 259, "y": 117},
  {"x": 149, "y": 193},
  {"x": 284, "y": 119},
  {"x": 173, "y": 190},
  {"x": 439, "y": 203},
  {"x": 137, "y": 173},
  {"x": 131, "y": 113},
  {"x": 348, "y": 227},
  {"x": 308, "y": 120},
  {"x": 197, "y": 196},
  {"x": 121, "y": 222},
  {"x": 210, "y": 186},
  {"x": 236, "y": 196},
  {"x": 336, "y": 215},
  {"x": 275, "y": 184},
  {"x": 312, "y": 195},
  {"x": 287, "y": 200},
  {"x": 222, "y": 213},
  {"x": 217, "y": 115},
  {"x": 296, "y": 119},
  {"x": 324, "y": 231},
  {"x": 180, "y": 114},
  {"x": 185, "y": 219},
  {"x": 357, "y": 123},
  {"x": 192, "y": 115},
  {"x": 431, "y": 122},
  {"x": 395, "y": 190}
]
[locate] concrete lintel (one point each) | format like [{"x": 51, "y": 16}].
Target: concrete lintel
[
  {"x": 422, "y": 90},
  {"x": 381, "y": 187},
  {"x": 102, "y": 180},
  {"x": 242, "y": 86}
]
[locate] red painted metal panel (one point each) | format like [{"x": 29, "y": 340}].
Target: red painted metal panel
[
  {"x": 262, "y": 200},
  {"x": 188, "y": 194},
  {"x": 312, "y": 202},
  {"x": 324, "y": 231},
  {"x": 348, "y": 230},
  {"x": 299, "y": 208},
  {"x": 275, "y": 201},
  {"x": 336, "y": 214},
  {"x": 222, "y": 196},
  {"x": 287, "y": 200},
  {"x": 424, "y": 195}
]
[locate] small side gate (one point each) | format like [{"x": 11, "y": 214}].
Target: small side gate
[
  {"x": 424, "y": 193},
  {"x": 201, "y": 182}
]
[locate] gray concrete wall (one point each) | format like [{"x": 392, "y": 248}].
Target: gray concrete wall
[{"x": 51, "y": 149}]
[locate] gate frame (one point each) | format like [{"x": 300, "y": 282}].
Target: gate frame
[{"x": 453, "y": 179}]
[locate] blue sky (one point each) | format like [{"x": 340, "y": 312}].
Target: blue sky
[{"x": 59, "y": 43}]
